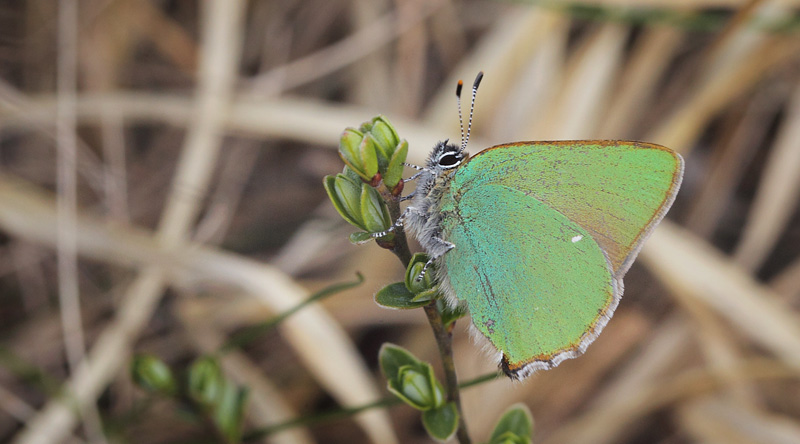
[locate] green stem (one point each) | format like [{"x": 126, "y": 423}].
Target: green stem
[
  {"x": 317, "y": 419},
  {"x": 252, "y": 333}
]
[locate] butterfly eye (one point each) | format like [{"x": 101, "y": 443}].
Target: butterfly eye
[{"x": 450, "y": 160}]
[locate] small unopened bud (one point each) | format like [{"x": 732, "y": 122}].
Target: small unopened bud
[
  {"x": 152, "y": 374},
  {"x": 359, "y": 153},
  {"x": 206, "y": 381}
]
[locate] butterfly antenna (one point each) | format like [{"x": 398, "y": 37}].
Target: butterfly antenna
[
  {"x": 471, "y": 108},
  {"x": 460, "y": 120}
]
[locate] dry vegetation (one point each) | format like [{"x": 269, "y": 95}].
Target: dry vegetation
[{"x": 161, "y": 190}]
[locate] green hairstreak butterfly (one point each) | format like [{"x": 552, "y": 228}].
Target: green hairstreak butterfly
[{"x": 535, "y": 237}]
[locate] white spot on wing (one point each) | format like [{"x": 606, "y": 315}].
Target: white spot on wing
[{"x": 577, "y": 238}]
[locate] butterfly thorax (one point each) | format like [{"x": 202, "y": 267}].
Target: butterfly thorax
[{"x": 433, "y": 190}]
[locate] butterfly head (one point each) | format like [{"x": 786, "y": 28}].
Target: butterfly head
[{"x": 445, "y": 156}]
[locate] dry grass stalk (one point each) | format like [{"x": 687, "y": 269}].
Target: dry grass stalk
[
  {"x": 778, "y": 193},
  {"x": 548, "y": 75},
  {"x": 57, "y": 418}
]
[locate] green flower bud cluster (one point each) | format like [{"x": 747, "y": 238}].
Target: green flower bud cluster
[
  {"x": 413, "y": 382},
  {"x": 217, "y": 396},
  {"x": 374, "y": 152},
  {"x": 422, "y": 288},
  {"x": 357, "y": 202},
  {"x": 410, "y": 379},
  {"x": 373, "y": 155},
  {"x": 411, "y": 293},
  {"x": 206, "y": 389}
]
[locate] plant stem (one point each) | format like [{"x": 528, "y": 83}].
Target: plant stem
[
  {"x": 400, "y": 247},
  {"x": 347, "y": 412},
  {"x": 444, "y": 339}
]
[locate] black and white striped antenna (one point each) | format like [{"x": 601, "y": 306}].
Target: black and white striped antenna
[{"x": 465, "y": 140}]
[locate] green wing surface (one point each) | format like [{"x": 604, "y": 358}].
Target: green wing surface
[
  {"x": 544, "y": 233},
  {"x": 617, "y": 191},
  {"x": 534, "y": 281}
]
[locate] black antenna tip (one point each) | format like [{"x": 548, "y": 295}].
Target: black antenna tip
[
  {"x": 478, "y": 80},
  {"x": 458, "y": 88}
]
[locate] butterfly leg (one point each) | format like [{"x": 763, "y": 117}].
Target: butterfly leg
[
  {"x": 398, "y": 223},
  {"x": 414, "y": 176},
  {"x": 416, "y": 167},
  {"x": 409, "y": 196},
  {"x": 437, "y": 248},
  {"x": 420, "y": 171}
]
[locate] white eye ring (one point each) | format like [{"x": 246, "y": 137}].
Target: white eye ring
[{"x": 459, "y": 158}]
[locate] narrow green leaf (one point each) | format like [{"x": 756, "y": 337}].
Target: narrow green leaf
[
  {"x": 360, "y": 237},
  {"x": 385, "y": 135},
  {"x": 372, "y": 210},
  {"x": 345, "y": 195},
  {"x": 369, "y": 155},
  {"x": 396, "y": 295},
  {"x": 252, "y": 333},
  {"x": 350, "y": 151},
  {"x": 29, "y": 372},
  {"x": 329, "y": 182},
  {"x": 229, "y": 412},
  {"x": 350, "y": 174},
  {"x": 205, "y": 382},
  {"x": 426, "y": 296},
  {"x": 341, "y": 413},
  {"x": 441, "y": 423},
  {"x": 394, "y": 171}
]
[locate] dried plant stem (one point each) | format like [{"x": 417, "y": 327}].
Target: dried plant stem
[
  {"x": 318, "y": 339},
  {"x": 196, "y": 165},
  {"x": 67, "y": 206},
  {"x": 341, "y": 54}
]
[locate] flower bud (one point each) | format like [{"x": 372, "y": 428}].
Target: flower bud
[
  {"x": 359, "y": 154},
  {"x": 206, "y": 382},
  {"x": 345, "y": 195},
  {"x": 410, "y": 379},
  {"x": 413, "y": 271},
  {"x": 153, "y": 375},
  {"x": 393, "y": 175},
  {"x": 229, "y": 411},
  {"x": 384, "y": 134},
  {"x": 374, "y": 213},
  {"x": 418, "y": 387}
]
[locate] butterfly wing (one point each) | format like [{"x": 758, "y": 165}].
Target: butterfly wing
[
  {"x": 618, "y": 191},
  {"x": 544, "y": 233},
  {"x": 535, "y": 282}
]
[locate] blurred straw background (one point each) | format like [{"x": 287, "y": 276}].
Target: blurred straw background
[{"x": 161, "y": 169}]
